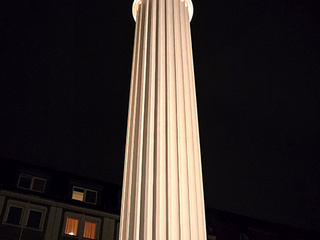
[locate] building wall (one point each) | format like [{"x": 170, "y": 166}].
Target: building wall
[
  {"x": 10, "y": 231},
  {"x": 53, "y": 222}
]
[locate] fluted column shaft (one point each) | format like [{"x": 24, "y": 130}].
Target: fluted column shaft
[{"x": 162, "y": 195}]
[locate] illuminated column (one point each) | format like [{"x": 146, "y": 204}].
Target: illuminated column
[{"x": 162, "y": 196}]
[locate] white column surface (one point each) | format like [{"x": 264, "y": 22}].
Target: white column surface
[{"x": 162, "y": 196}]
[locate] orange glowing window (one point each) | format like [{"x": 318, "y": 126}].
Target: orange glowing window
[
  {"x": 71, "y": 227},
  {"x": 90, "y": 230}
]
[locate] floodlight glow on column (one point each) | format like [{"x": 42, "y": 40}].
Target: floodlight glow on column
[{"x": 162, "y": 195}]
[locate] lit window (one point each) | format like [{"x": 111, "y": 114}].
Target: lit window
[
  {"x": 14, "y": 215},
  {"x": 34, "y": 219},
  {"x": 90, "y": 230},
  {"x": 81, "y": 226},
  {"x": 71, "y": 227},
  {"x": 78, "y": 194},
  {"x": 84, "y": 195},
  {"x": 32, "y": 183}
]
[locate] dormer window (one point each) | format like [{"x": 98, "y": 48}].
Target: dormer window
[
  {"x": 84, "y": 195},
  {"x": 31, "y": 183}
]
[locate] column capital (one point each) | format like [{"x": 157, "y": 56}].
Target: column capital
[{"x": 136, "y": 4}]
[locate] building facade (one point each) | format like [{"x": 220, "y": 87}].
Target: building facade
[{"x": 41, "y": 204}]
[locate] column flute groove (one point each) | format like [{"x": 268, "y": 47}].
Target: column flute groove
[
  {"x": 138, "y": 140},
  {"x": 148, "y": 151},
  {"x": 190, "y": 145},
  {"x": 181, "y": 128},
  {"x": 125, "y": 209},
  {"x": 198, "y": 171}
]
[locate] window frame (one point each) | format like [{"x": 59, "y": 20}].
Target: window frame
[
  {"x": 6, "y": 215},
  {"x": 26, "y": 207},
  {"x": 82, "y": 219},
  {"x": 32, "y": 182},
  {"x": 65, "y": 224},
  {"x": 97, "y": 221},
  {"x": 84, "y": 194},
  {"x": 42, "y": 219}
]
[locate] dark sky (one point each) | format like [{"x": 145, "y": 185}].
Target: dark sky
[{"x": 65, "y": 76}]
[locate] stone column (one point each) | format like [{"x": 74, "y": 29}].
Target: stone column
[{"x": 162, "y": 196}]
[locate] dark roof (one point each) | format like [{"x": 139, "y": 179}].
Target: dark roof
[{"x": 59, "y": 185}]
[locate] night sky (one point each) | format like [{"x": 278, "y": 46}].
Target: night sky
[{"x": 65, "y": 77}]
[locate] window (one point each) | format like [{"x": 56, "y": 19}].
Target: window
[
  {"x": 71, "y": 227},
  {"x": 25, "y": 181},
  {"x": 91, "y": 197},
  {"x": 78, "y": 194},
  {"x": 34, "y": 219},
  {"x": 39, "y": 184},
  {"x": 90, "y": 230},
  {"x": 14, "y": 215},
  {"x": 31, "y": 183},
  {"x": 84, "y": 195},
  {"x": 25, "y": 215},
  {"x": 82, "y": 226}
]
